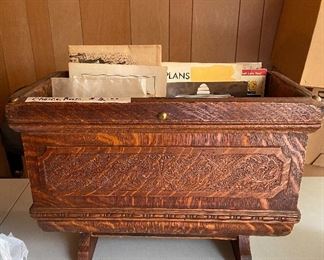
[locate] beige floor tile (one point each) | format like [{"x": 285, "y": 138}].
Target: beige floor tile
[
  {"x": 41, "y": 245},
  {"x": 10, "y": 190}
]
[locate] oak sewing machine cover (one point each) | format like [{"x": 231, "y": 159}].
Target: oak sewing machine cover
[{"x": 209, "y": 168}]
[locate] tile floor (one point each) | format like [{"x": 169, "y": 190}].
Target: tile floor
[{"x": 305, "y": 242}]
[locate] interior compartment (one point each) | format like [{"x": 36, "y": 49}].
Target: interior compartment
[{"x": 277, "y": 85}]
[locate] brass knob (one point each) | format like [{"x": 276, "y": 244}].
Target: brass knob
[
  {"x": 163, "y": 116},
  {"x": 13, "y": 100}
]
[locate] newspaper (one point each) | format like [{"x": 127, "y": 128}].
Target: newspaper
[{"x": 150, "y": 55}]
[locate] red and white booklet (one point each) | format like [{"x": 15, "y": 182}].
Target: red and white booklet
[{"x": 256, "y": 79}]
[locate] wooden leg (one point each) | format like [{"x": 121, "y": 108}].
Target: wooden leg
[
  {"x": 241, "y": 248},
  {"x": 87, "y": 245}
]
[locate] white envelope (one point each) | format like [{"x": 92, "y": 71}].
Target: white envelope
[{"x": 157, "y": 74}]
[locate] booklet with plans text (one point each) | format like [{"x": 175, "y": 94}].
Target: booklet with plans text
[{"x": 252, "y": 72}]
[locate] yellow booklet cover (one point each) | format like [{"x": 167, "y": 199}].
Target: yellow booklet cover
[{"x": 207, "y": 72}]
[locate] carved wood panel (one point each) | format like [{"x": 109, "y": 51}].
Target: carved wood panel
[
  {"x": 290, "y": 147},
  {"x": 165, "y": 171}
]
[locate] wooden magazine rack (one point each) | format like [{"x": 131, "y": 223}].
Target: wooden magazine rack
[{"x": 217, "y": 168}]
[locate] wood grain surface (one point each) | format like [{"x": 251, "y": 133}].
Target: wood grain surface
[
  {"x": 180, "y": 30},
  {"x": 213, "y": 37},
  {"x": 170, "y": 155},
  {"x": 16, "y": 44},
  {"x": 4, "y": 89},
  {"x": 219, "y": 112},
  {"x": 155, "y": 171},
  {"x": 150, "y": 23},
  {"x": 249, "y": 30},
  {"x": 41, "y": 37},
  {"x": 270, "y": 21},
  {"x": 105, "y": 22},
  {"x": 87, "y": 245},
  {"x": 241, "y": 248},
  {"x": 66, "y": 29}
]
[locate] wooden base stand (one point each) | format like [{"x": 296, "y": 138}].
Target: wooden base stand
[
  {"x": 241, "y": 248},
  {"x": 87, "y": 245}
]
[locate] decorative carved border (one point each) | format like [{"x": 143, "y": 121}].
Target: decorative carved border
[{"x": 167, "y": 214}]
